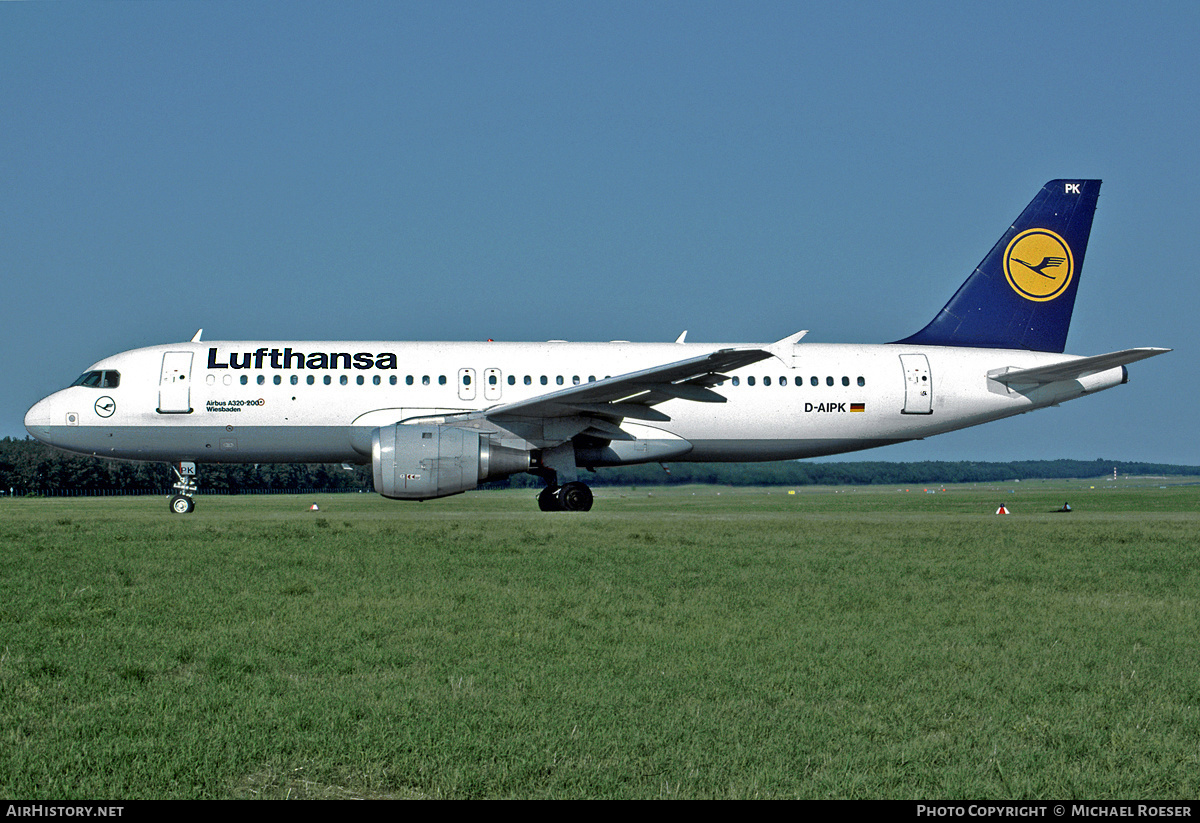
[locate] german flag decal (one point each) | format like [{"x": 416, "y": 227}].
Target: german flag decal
[{"x": 862, "y": 407}]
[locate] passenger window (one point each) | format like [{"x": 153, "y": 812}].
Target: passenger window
[
  {"x": 328, "y": 380},
  {"x": 408, "y": 380},
  {"x": 737, "y": 381},
  {"x": 512, "y": 380},
  {"x": 278, "y": 379},
  {"x": 360, "y": 380},
  {"x": 262, "y": 378},
  {"x": 441, "y": 379},
  {"x": 862, "y": 382},
  {"x": 376, "y": 380},
  {"x": 528, "y": 380},
  {"x": 766, "y": 381},
  {"x": 295, "y": 379},
  {"x": 815, "y": 380},
  {"x": 245, "y": 379},
  {"x": 424, "y": 380},
  {"x": 544, "y": 380},
  {"x": 343, "y": 380},
  {"x": 749, "y": 381},
  {"x": 799, "y": 381},
  {"x": 845, "y": 381},
  {"x": 559, "y": 380},
  {"x": 311, "y": 379},
  {"x": 829, "y": 381}
]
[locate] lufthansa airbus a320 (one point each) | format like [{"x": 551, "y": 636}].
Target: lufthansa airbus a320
[{"x": 436, "y": 419}]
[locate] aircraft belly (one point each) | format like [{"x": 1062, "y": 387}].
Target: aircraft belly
[
  {"x": 748, "y": 451},
  {"x": 211, "y": 444}
]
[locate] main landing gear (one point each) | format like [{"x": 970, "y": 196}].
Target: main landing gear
[
  {"x": 185, "y": 487},
  {"x": 558, "y": 464},
  {"x": 575, "y": 496}
]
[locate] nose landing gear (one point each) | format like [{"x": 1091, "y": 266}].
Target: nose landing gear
[{"x": 185, "y": 486}]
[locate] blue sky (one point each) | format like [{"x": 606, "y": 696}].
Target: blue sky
[{"x": 527, "y": 171}]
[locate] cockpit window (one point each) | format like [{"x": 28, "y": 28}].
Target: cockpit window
[
  {"x": 99, "y": 379},
  {"x": 90, "y": 378}
]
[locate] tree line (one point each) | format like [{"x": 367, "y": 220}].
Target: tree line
[{"x": 29, "y": 467}]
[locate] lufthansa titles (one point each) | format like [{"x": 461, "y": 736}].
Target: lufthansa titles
[{"x": 288, "y": 358}]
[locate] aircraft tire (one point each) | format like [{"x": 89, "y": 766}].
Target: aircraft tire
[
  {"x": 181, "y": 504},
  {"x": 548, "y": 499},
  {"x": 575, "y": 497}
]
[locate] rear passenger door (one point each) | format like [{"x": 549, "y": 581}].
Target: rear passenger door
[{"x": 918, "y": 384}]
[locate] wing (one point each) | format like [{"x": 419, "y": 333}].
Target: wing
[
  {"x": 1074, "y": 369},
  {"x": 634, "y": 394},
  {"x": 598, "y": 408}
]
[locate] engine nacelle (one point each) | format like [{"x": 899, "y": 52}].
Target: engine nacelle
[{"x": 423, "y": 461}]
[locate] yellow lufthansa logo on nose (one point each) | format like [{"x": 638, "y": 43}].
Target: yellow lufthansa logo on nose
[{"x": 1038, "y": 264}]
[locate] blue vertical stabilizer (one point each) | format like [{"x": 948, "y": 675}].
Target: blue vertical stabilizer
[{"x": 1022, "y": 294}]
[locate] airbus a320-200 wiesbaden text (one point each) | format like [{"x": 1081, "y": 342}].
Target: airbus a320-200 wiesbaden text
[{"x": 436, "y": 418}]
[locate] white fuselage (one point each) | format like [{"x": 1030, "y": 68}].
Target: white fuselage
[{"x": 230, "y": 402}]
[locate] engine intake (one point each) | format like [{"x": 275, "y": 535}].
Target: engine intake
[{"x": 423, "y": 461}]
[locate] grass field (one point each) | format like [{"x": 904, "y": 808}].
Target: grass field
[{"x": 673, "y": 643}]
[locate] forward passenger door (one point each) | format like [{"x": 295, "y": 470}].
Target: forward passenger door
[{"x": 175, "y": 383}]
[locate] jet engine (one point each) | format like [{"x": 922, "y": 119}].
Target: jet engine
[{"x": 423, "y": 461}]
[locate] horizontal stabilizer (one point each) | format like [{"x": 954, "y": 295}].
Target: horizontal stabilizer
[{"x": 1074, "y": 369}]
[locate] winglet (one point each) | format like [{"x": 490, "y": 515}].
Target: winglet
[{"x": 783, "y": 348}]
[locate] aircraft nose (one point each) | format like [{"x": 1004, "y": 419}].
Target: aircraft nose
[{"x": 37, "y": 419}]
